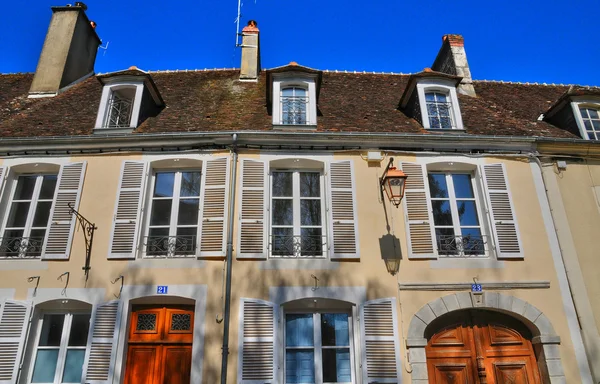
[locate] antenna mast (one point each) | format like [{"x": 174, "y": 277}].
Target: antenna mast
[{"x": 237, "y": 22}]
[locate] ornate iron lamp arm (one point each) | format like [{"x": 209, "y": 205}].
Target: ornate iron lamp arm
[{"x": 88, "y": 233}]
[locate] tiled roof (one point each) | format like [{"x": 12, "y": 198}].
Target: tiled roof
[{"x": 215, "y": 100}]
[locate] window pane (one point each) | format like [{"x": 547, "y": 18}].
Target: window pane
[
  {"x": 441, "y": 212},
  {"x": 467, "y": 213},
  {"x": 435, "y": 122},
  {"x": 163, "y": 184},
  {"x": 334, "y": 330},
  {"x": 287, "y": 92},
  {"x": 300, "y": 92},
  {"x": 588, "y": 124},
  {"x": 48, "y": 186},
  {"x": 185, "y": 243},
  {"x": 45, "y": 366},
  {"x": 42, "y": 214},
  {"x": 310, "y": 184},
  {"x": 35, "y": 242},
  {"x": 472, "y": 241},
  {"x": 80, "y": 324},
  {"x": 52, "y": 330},
  {"x": 282, "y": 184},
  {"x": 596, "y": 124},
  {"x": 462, "y": 185},
  {"x": 157, "y": 243},
  {"x": 161, "y": 212},
  {"x": 446, "y": 241},
  {"x": 190, "y": 183},
  {"x": 299, "y": 330},
  {"x": 283, "y": 213},
  {"x": 430, "y": 96},
  {"x": 12, "y": 243},
  {"x": 593, "y": 113},
  {"x": 299, "y": 366},
  {"x": 25, "y": 186},
  {"x": 18, "y": 214},
  {"x": 73, "y": 366},
  {"x": 282, "y": 241},
  {"x": 336, "y": 365},
  {"x": 437, "y": 185},
  {"x": 188, "y": 212},
  {"x": 310, "y": 212},
  {"x": 311, "y": 242}
]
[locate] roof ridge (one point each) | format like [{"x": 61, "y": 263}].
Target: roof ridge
[
  {"x": 536, "y": 83},
  {"x": 364, "y": 72},
  {"x": 191, "y": 70}
]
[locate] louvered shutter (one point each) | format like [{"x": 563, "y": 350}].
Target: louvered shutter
[
  {"x": 215, "y": 181},
  {"x": 417, "y": 212},
  {"x": 14, "y": 322},
  {"x": 253, "y": 211},
  {"x": 57, "y": 244},
  {"x": 502, "y": 216},
  {"x": 102, "y": 343},
  {"x": 128, "y": 211},
  {"x": 257, "y": 342},
  {"x": 380, "y": 349},
  {"x": 343, "y": 224}
]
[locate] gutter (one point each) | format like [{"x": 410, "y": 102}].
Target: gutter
[{"x": 229, "y": 259}]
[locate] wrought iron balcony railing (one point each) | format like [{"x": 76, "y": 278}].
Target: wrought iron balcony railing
[
  {"x": 440, "y": 114},
  {"x": 21, "y": 247},
  {"x": 461, "y": 246},
  {"x": 294, "y": 110},
  {"x": 297, "y": 246},
  {"x": 161, "y": 247},
  {"x": 119, "y": 113}
]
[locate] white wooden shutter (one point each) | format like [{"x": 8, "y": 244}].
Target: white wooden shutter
[
  {"x": 252, "y": 242},
  {"x": 502, "y": 216},
  {"x": 343, "y": 224},
  {"x": 128, "y": 211},
  {"x": 215, "y": 182},
  {"x": 102, "y": 343},
  {"x": 417, "y": 211},
  {"x": 14, "y": 323},
  {"x": 3, "y": 175},
  {"x": 57, "y": 244},
  {"x": 257, "y": 342},
  {"x": 380, "y": 338}
]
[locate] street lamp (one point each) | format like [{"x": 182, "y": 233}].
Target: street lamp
[{"x": 393, "y": 182}]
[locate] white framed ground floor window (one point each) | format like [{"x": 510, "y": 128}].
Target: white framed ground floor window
[{"x": 60, "y": 347}]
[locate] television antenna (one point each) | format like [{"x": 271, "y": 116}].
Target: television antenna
[
  {"x": 105, "y": 48},
  {"x": 237, "y": 23}
]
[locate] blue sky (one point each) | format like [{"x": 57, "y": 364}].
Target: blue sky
[{"x": 528, "y": 41}]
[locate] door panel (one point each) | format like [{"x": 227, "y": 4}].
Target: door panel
[
  {"x": 142, "y": 364},
  {"x": 177, "y": 364},
  {"x": 451, "y": 371},
  {"x": 511, "y": 372}
]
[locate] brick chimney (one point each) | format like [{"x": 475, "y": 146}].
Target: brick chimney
[
  {"x": 69, "y": 51},
  {"x": 250, "y": 52},
  {"x": 452, "y": 59}
]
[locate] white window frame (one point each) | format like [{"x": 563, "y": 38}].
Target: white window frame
[
  {"x": 583, "y": 102},
  {"x": 104, "y": 108},
  {"x": 282, "y": 81},
  {"x": 477, "y": 198},
  {"x": 174, "y": 211},
  {"x": 31, "y": 213},
  {"x": 64, "y": 343},
  {"x": 318, "y": 347},
  {"x": 446, "y": 87},
  {"x": 296, "y": 210}
]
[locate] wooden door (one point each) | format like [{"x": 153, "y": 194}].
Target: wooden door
[
  {"x": 481, "y": 347},
  {"x": 160, "y": 346}
]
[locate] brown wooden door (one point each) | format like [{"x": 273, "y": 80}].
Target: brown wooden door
[
  {"x": 160, "y": 346},
  {"x": 481, "y": 347}
]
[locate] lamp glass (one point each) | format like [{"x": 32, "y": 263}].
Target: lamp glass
[{"x": 394, "y": 183}]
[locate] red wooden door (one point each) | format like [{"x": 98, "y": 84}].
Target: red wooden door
[
  {"x": 160, "y": 346},
  {"x": 481, "y": 347}
]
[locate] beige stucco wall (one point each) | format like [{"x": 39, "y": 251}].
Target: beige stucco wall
[{"x": 251, "y": 280}]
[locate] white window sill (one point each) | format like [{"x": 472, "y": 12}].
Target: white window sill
[
  {"x": 22, "y": 264},
  {"x": 177, "y": 263},
  {"x": 304, "y": 127},
  {"x": 281, "y": 264},
  {"x": 103, "y": 130},
  {"x": 466, "y": 263},
  {"x": 446, "y": 130}
]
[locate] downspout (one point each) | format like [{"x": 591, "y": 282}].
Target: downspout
[
  {"x": 577, "y": 335},
  {"x": 229, "y": 258}
]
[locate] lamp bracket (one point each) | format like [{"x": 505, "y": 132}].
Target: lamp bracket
[
  {"x": 88, "y": 233},
  {"x": 387, "y": 168}
]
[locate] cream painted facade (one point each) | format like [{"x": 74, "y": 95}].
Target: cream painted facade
[{"x": 531, "y": 288}]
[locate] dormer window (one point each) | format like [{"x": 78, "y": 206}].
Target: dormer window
[
  {"x": 292, "y": 96},
  {"x": 128, "y": 98},
  {"x": 294, "y": 102},
  {"x": 120, "y": 107},
  {"x": 439, "y": 110},
  {"x": 591, "y": 122}
]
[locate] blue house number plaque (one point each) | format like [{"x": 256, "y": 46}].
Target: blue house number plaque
[
  {"x": 474, "y": 288},
  {"x": 162, "y": 290}
]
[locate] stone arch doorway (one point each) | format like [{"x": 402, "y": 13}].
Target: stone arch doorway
[
  {"x": 544, "y": 340},
  {"x": 479, "y": 346}
]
